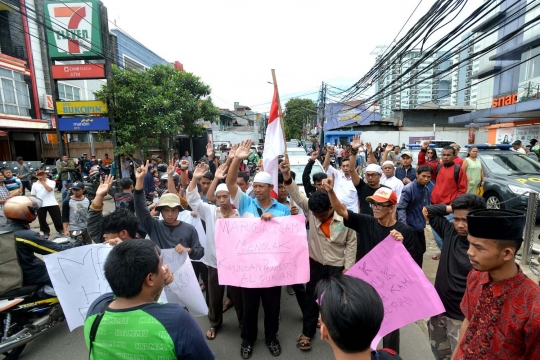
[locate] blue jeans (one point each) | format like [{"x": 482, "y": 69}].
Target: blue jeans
[
  {"x": 438, "y": 239},
  {"x": 64, "y": 190}
]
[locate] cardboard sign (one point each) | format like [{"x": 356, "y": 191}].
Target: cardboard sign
[{"x": 253, "y": 253}]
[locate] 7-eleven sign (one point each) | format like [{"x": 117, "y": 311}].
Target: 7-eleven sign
[{"x": 73, "y": 29}]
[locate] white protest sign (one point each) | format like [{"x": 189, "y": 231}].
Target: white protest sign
[
  {"x": 185, "y": 289},
  {"x": 77, "y": 277}
]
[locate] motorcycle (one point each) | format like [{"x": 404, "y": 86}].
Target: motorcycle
[
  {"x": 91, "y": 183},
  {"x": 28, "y": 313}
]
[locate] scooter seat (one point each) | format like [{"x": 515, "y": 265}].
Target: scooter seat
[{"x": 23, "y": 291}]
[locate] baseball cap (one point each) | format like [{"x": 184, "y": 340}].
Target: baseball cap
[
  {"x": 408, "y": 153},
  {"x": 78, "y": 185},
  {"x": 383, "y": 194},
  {"x": 40, "y": 172},
  {"x": 169, "y": 200}
]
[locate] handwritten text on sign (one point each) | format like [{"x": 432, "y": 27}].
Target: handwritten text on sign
[
  {"x": 407, "y": 294},
  {"x": 253, "y": 253}
]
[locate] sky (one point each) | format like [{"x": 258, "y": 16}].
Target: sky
[{"x": 232, "y": 45}]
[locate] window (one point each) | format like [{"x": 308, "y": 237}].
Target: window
[
  {"x": 69, "y": 92},
  {"x": 14, "y": 94},
  {"x": 130, "y": 63},
  {"x": 530, "y": 69}
]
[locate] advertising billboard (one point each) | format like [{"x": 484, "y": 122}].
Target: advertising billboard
[
  {"x": 78, "y": 71},
  {"x": 73, "y": 29},
  {"x": 83, "y": 124}
]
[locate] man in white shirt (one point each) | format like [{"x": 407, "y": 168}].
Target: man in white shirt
[
  {"x": 343, "y": 184},
  {"x": 517, "y": 146},
  {"x": 339, "y": 154},
  {"x": 189, "y": 160},
  {"x": 388, "y": 178},
  {"x": 43, "y": 189}
]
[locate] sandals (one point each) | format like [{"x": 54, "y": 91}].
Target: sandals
[
  {"x": 303, "y": 342},
  {"x": 212, "y": 332},
  {"x": 228, "y": 304}
]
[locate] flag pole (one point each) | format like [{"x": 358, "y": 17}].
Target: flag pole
[{"x": 274, "y": 80}]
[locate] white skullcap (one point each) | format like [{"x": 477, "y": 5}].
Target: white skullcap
[
  {"x": 374, "y": 167},
  {"x": 222, "y": 187},
  {"x": 388, "y": 162},
  {"x": 263, "y": 177}
]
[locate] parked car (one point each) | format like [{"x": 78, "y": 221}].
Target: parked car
[
  {"x": 509, "y": 177},
  {"x": 298, "y": 164},
  {"x": 296, "y": 152}
]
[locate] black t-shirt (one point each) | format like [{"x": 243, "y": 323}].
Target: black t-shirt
[
  {"x": 454, "y": 265},
  {"x": 124, "y": 200},
  {"x": 370, "y": 233},
  {"x": 364, "y": 190}
]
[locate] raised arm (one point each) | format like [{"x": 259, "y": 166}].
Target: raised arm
[
  {"x": 355, "y": 145},
  {"x": 371, "y": 159},
  {"x": 171, "y": 170},
  {"x": 219, "y": 175},
  {"x": 422, "y": 153},
  {"x": 95, "y": 213},
  {"x": 387, "y": 150},
  {"x": 241, "y": 152},
  {"x": 139, "y": 200},
  {"x": 184, "y": 166},
  {"x": 329, "y": 152},
  {"x": 292, "y": 188},
  {"x": 336, "y": 204},
  {"x": 306, "y": 178}
]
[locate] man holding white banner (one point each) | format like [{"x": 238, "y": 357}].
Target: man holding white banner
[
  {"x": 128, "y": 322},
  {"x": 265, "y": 207}
]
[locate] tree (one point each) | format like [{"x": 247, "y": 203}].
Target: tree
[
  {"x": 297, "y": 111},
  {"x": 152, "y": 106}
]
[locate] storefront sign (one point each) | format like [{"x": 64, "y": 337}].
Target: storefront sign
[
  {"x": 48, "y": 102},
  {"x": 504, "y": 100},
  {"x": 83, "y": 71},
  {"x": 83, "y": 124},
  {"x": 524, "y": 133},
  {"x": 80, "y": 107},
  {"x": 73, "y": 29}
]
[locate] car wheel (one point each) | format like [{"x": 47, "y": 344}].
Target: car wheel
[{"x": 493, "y": 201}]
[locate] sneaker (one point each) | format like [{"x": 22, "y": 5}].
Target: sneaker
[
  {"x": 246, "y": 351},
  {"x": 290, "y": 290},
  {"x": 274, "y": 347}
]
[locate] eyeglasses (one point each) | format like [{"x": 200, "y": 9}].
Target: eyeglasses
[{"x": 379, "y": 206}]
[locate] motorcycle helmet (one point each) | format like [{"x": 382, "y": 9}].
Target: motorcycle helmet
[
  {"x": 162, "y": 168},
  {"x": 22, "y": 208}
]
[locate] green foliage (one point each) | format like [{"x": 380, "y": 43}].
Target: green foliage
[
  {"x": 155, "y": 105},
  {"x": 296, "y": 113}
]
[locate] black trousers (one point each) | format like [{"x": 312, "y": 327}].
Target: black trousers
[
  {"x": 317, "y": 272},
  {"x": 56, "y": 216},
  {"x": 301, "y": 296},
  {"x": 216, "y": 292},
  {"x": 26, "y": 185},
  {"x": 391, "y": 341},
  {"x": 271, "y": 298},
  {"x": 421, "y": 248},
  {"x": 202, "y": 270}
]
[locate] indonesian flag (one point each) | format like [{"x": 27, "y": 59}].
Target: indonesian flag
[{"x": 273, "y": 144}]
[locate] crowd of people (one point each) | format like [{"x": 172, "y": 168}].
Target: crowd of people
[{"x": 492, "y": 310}]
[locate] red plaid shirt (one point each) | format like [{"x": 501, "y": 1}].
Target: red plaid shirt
[{"x": 504, "y": 318}]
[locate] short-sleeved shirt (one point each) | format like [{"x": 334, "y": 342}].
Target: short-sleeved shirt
[
  {"x": 364, "y": 190},
  {"x": 12, "y": 183},
  {"x": 344, "y": 188},
  {"x": 148, "y": 331},
  {"x": 47, "y": 197},
  {"x": 124, "y": 200},
  {"x": 247, "y": 206},
  {"x": 504, "y": 318},
  {"x": 74, "y": 212},
  {"x": 370, "y": 233}
]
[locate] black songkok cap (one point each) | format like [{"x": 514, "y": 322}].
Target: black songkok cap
[{"x": 496, "y": 224}]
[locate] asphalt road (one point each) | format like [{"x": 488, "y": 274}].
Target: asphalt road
[{"x": 59, "y": 343}]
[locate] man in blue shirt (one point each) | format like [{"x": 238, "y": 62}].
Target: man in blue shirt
[
  {"x": 266, "y": 208},
  {"x": 406, "y": 172},
  {"x": 414, "y": 197}
]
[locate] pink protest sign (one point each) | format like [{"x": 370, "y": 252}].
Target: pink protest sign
[
  {"x": 406, "y": 292},
  {"x": 253, "y": 253}
]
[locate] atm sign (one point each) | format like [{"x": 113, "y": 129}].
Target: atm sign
[{"x": 82, "y": 71}]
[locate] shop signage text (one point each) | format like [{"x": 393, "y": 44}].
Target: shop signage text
[
  {"x": 73, "y": 29},
  {"x": 80, "y": 107},
  {"x": 83, "y": 71},
  {"x": 504, "y": 100},
  {"x": 83, "y": 124}
]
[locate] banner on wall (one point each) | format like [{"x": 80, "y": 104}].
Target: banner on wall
[{"x": 523, "y": 133}]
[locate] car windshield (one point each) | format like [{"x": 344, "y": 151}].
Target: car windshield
[
  {"x": 510, "y": 164},
  {"x": 299, "y": 152},
  {"x": 299, "y": 170}
]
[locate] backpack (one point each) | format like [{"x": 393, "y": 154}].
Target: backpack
[{"x": 456, "y": 171}]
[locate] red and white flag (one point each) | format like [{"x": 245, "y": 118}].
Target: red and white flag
[{"x": 273, "y": 144}]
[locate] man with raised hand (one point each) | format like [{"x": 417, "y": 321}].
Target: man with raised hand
[
  {"x": 374, "y": 229},
  {"x": 332, "y": 248},
  {"x": 367, "y": 188},
  {"x": 317, "y": 178},
  {"x": 169, "y": 233},
  {"x": 345, "y": 184},
  {"x": 210, "y": 214},
  {"x": 266, "y": 208}
]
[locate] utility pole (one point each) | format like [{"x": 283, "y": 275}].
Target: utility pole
[{"x": 321, "y": 105}]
